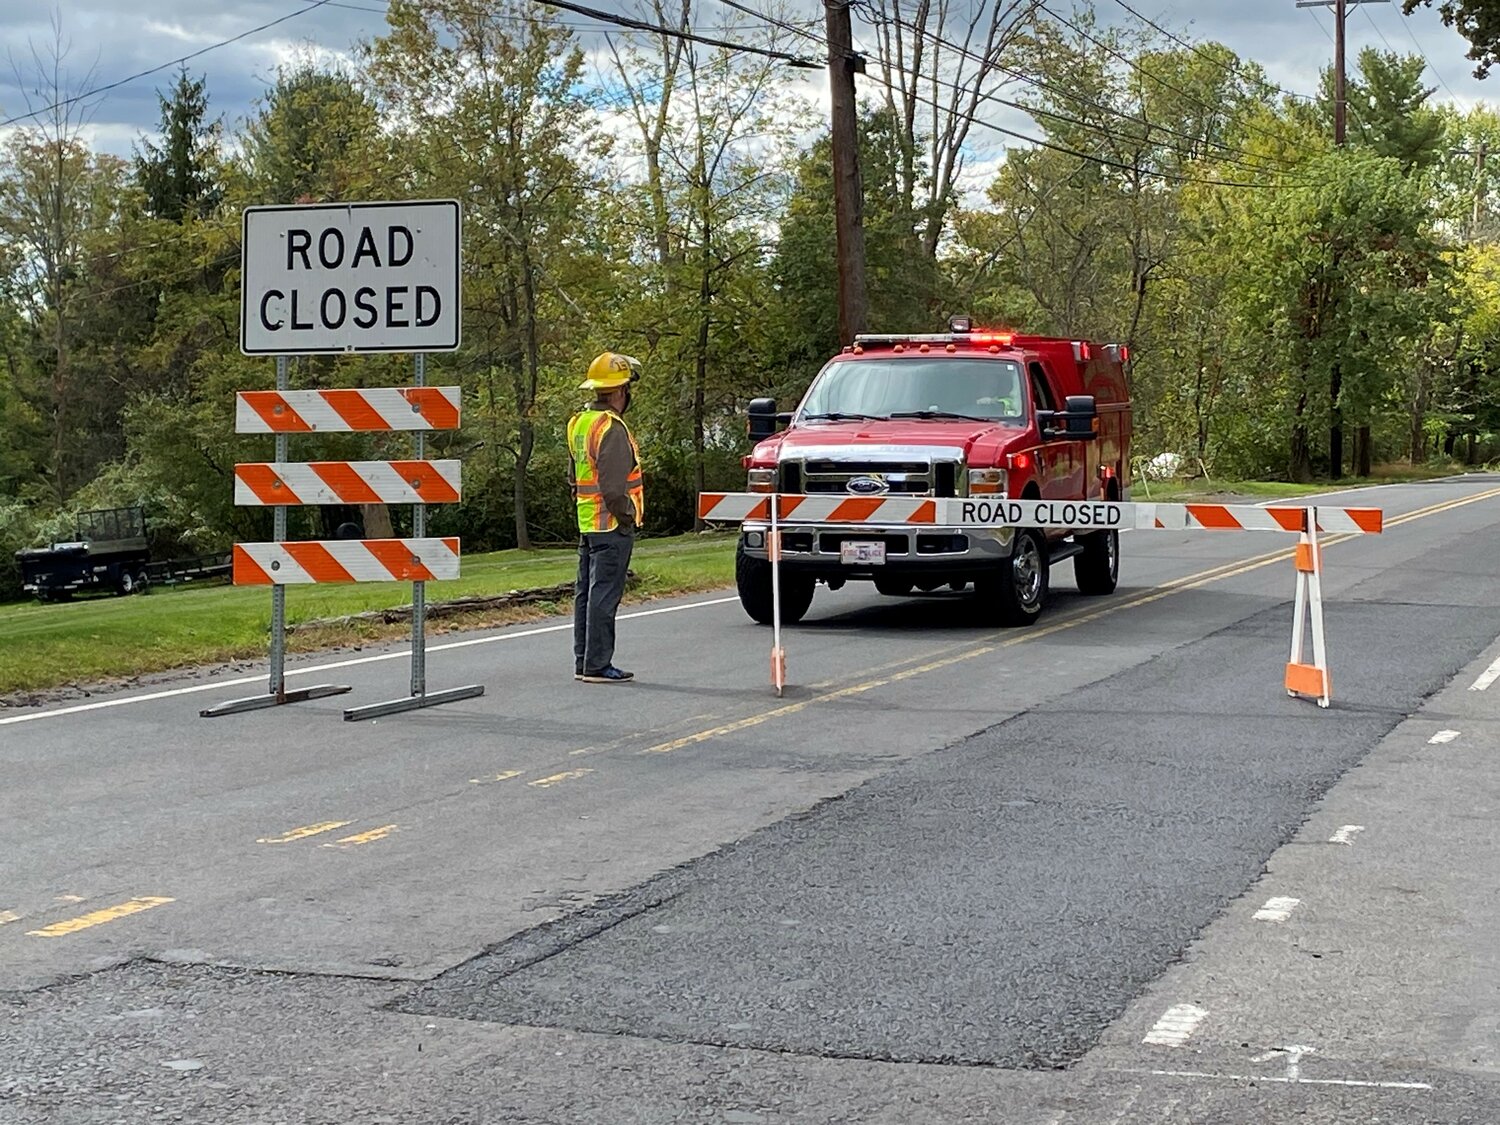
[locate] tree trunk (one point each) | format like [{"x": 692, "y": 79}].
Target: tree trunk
[
  {"x": 377, "y": 521},
  {"x": 1362, "y": 452},
  {"x": 1335, "y": 425},
  {"x": 1299, "y": 460},
  {"x": 700, "y": 362},
  {"x": 1417, "y": 440}
]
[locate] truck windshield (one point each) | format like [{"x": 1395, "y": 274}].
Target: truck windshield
[{"x": 938, "y": 387}]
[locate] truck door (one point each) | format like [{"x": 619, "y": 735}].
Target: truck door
[{"x": 1054, "y": 457}]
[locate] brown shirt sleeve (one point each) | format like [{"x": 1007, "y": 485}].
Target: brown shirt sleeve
[{"x": 616, "y": 463}]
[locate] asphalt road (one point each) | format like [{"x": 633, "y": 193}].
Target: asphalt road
[{"x": 1098, "y": 870}]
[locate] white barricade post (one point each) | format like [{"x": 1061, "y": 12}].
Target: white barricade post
[
  {"x": 348, "y": 278},
  {"x": 1302, "y": 679}
]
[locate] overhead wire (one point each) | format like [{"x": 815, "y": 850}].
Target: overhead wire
[
  {"x": 62, "y": 103},
  {"x": 1136, "y": 65}
]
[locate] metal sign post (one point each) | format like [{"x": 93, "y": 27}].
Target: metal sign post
[
  {"x": 420, "y": 696},
  {"x": 277, "y": 695}
]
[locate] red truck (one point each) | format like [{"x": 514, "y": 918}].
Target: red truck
[{"x": 968, "y": 412}]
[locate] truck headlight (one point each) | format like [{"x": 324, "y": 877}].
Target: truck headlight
[
  {"x": 986, "y": 482},
  {"x": 762, "y": 480}
]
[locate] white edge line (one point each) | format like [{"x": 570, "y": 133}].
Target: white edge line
[
  {"x": 1487, "y": 677},
  {"x": 1442, "y": 736},
  {"x": 1346, "y": 834},
  {"x": 1277, "y": 909},
  {"x": 403, "y": 654},
  {"x": 1299, "y": 1081}
]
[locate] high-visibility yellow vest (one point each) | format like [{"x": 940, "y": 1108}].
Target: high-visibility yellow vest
[{"x": 586, "y": 432}]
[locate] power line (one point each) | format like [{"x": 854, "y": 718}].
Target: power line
[
  {"x": 1067, "y": 95},
  {"x": 1146, "y": 73},
  {"x": 155, "y": 69},
  {"x": 676, "y": 33},
  {"x": 1406, "y": 23},
  {"x": 1198, "y": 49}
]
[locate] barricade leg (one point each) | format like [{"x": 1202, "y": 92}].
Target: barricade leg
[
  {"x": 420, "y": 696},
  {"x": 277, "y": 695},
  {"x": 773, "y": 549},
  {"x": 1311, "y": 680}
]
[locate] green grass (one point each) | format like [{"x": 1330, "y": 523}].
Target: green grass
[
  {"x": 93, "y": 639},
  {"x": 1176, "y": 491}
]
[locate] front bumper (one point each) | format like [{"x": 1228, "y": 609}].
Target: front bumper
[{"x": 917, "y": 549}]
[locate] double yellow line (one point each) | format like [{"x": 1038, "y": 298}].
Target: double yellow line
[{"x": 1166, "y": 589}]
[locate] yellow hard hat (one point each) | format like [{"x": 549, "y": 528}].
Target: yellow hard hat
[{"x": 611, "y": 370}]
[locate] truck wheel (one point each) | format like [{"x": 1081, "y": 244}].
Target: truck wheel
[
  {"x": 1014, "y": 594},
  {"x": 752, "y": 577},
  {"x": 1097, "y": 567},
  {"x": 894, "y": 587},
  {"x": 126, "y": 583}
]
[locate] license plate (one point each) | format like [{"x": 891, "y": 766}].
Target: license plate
[{"x": 855, "y": 553}]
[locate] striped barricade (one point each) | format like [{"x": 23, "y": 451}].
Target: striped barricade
[
  {"x": 1093, "y": 515},
  {"x": 345, "y": 560},
  {"x": 1307, "y": 521},
  {"x": 348, "y": 482},
  {"x": 377, "y": 410}
]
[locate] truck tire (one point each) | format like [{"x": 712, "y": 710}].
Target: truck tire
[
  {"x": 752, "y": 578},
  {"x": 894, "y": 587},
  {"x": 1097, "y": 566},
  {"x": 1015, "y": 593}
]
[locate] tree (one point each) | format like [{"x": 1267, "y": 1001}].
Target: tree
[
  {"x": 485, "y": 104},
  {"x": 312, "y": 139},
  {"x": 179, "y": 175},
  {"x": 1388, "y": 111},
  {"x": 1478, "y": 21}
]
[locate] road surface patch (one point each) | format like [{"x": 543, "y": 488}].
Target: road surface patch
[
  {"x": 1175, "y": 1027},
  {"x": 99, "y": 917},
  {"x": 304, "y": 832}
]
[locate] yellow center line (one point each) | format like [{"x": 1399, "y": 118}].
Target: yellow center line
[
  {"x": 1166, "y": 589},
  {"x": 566, "y": 775},
  {"x": 304, "y": 832},
  {"x": 8, "y": 916},
  {"x": 98, "y": 917},
  {"x": 68, "y": 898},
  {"x": 503, "y": 775},
  {"x": 363, "y": 837}
]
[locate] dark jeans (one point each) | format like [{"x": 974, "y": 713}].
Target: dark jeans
[{"x": 603, "y": 558}]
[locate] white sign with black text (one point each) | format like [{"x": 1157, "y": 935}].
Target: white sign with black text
[{"x": 351, "y": 277}]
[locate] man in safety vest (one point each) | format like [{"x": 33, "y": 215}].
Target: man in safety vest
[{"x": 604, "y": 471}]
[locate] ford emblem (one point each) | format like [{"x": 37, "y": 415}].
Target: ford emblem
[{"x": 867, "y": 486}]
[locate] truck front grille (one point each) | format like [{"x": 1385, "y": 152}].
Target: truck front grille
[{"x": 824, "y": 476}]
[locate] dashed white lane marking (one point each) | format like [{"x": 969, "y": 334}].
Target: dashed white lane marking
[
  {"x": 1487, "y": 677},
  {"x": 1346, "y": 834},
  {"x": 1174, "y": 1027},
  {"x": 1295, "y": 1081},
  {"x": 1277, "y": 909},
  {"x": 403, "y": 654},
  {"x": 1441, "y": 737}
]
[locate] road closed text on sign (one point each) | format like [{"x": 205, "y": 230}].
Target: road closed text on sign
[
  {"x": 1035, "y": 513},
  {"x": 357, "y": 277}
]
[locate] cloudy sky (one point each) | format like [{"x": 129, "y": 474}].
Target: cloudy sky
[{"x": 108, "y": 41}]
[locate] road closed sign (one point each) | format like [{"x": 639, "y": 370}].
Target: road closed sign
[
  {"x": 351, "y": 277},
  {"x": 1090, "y": 514}
]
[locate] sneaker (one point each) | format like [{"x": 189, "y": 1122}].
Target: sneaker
[
  {"x": 610, "y": 675},
  {"x": 578, "y": 671}
]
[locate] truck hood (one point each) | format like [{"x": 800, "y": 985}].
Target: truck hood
[{"x": 977, "y": 442}]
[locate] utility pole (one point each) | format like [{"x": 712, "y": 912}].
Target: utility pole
[
  {"x": 1478, "y": 154},
  {"x": 848, "y": 192},
  {"x": 1340, "y": 114}
]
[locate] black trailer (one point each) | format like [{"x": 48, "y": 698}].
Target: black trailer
[{"x": 109, "y": 553}]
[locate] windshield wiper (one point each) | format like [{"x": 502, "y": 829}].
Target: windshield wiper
[
  {"x": 844, "y": 416},
  {"x": 940, "y": 414}
]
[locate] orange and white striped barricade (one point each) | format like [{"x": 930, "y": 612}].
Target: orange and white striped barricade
[
  {"x": 1301, "y": 678},
  {"x": 282, "y": 484}
]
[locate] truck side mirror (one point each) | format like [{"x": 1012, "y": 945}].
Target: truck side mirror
[
  {"x": 763, "y": 418},
  {"x": 1080, "y": 417}
]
